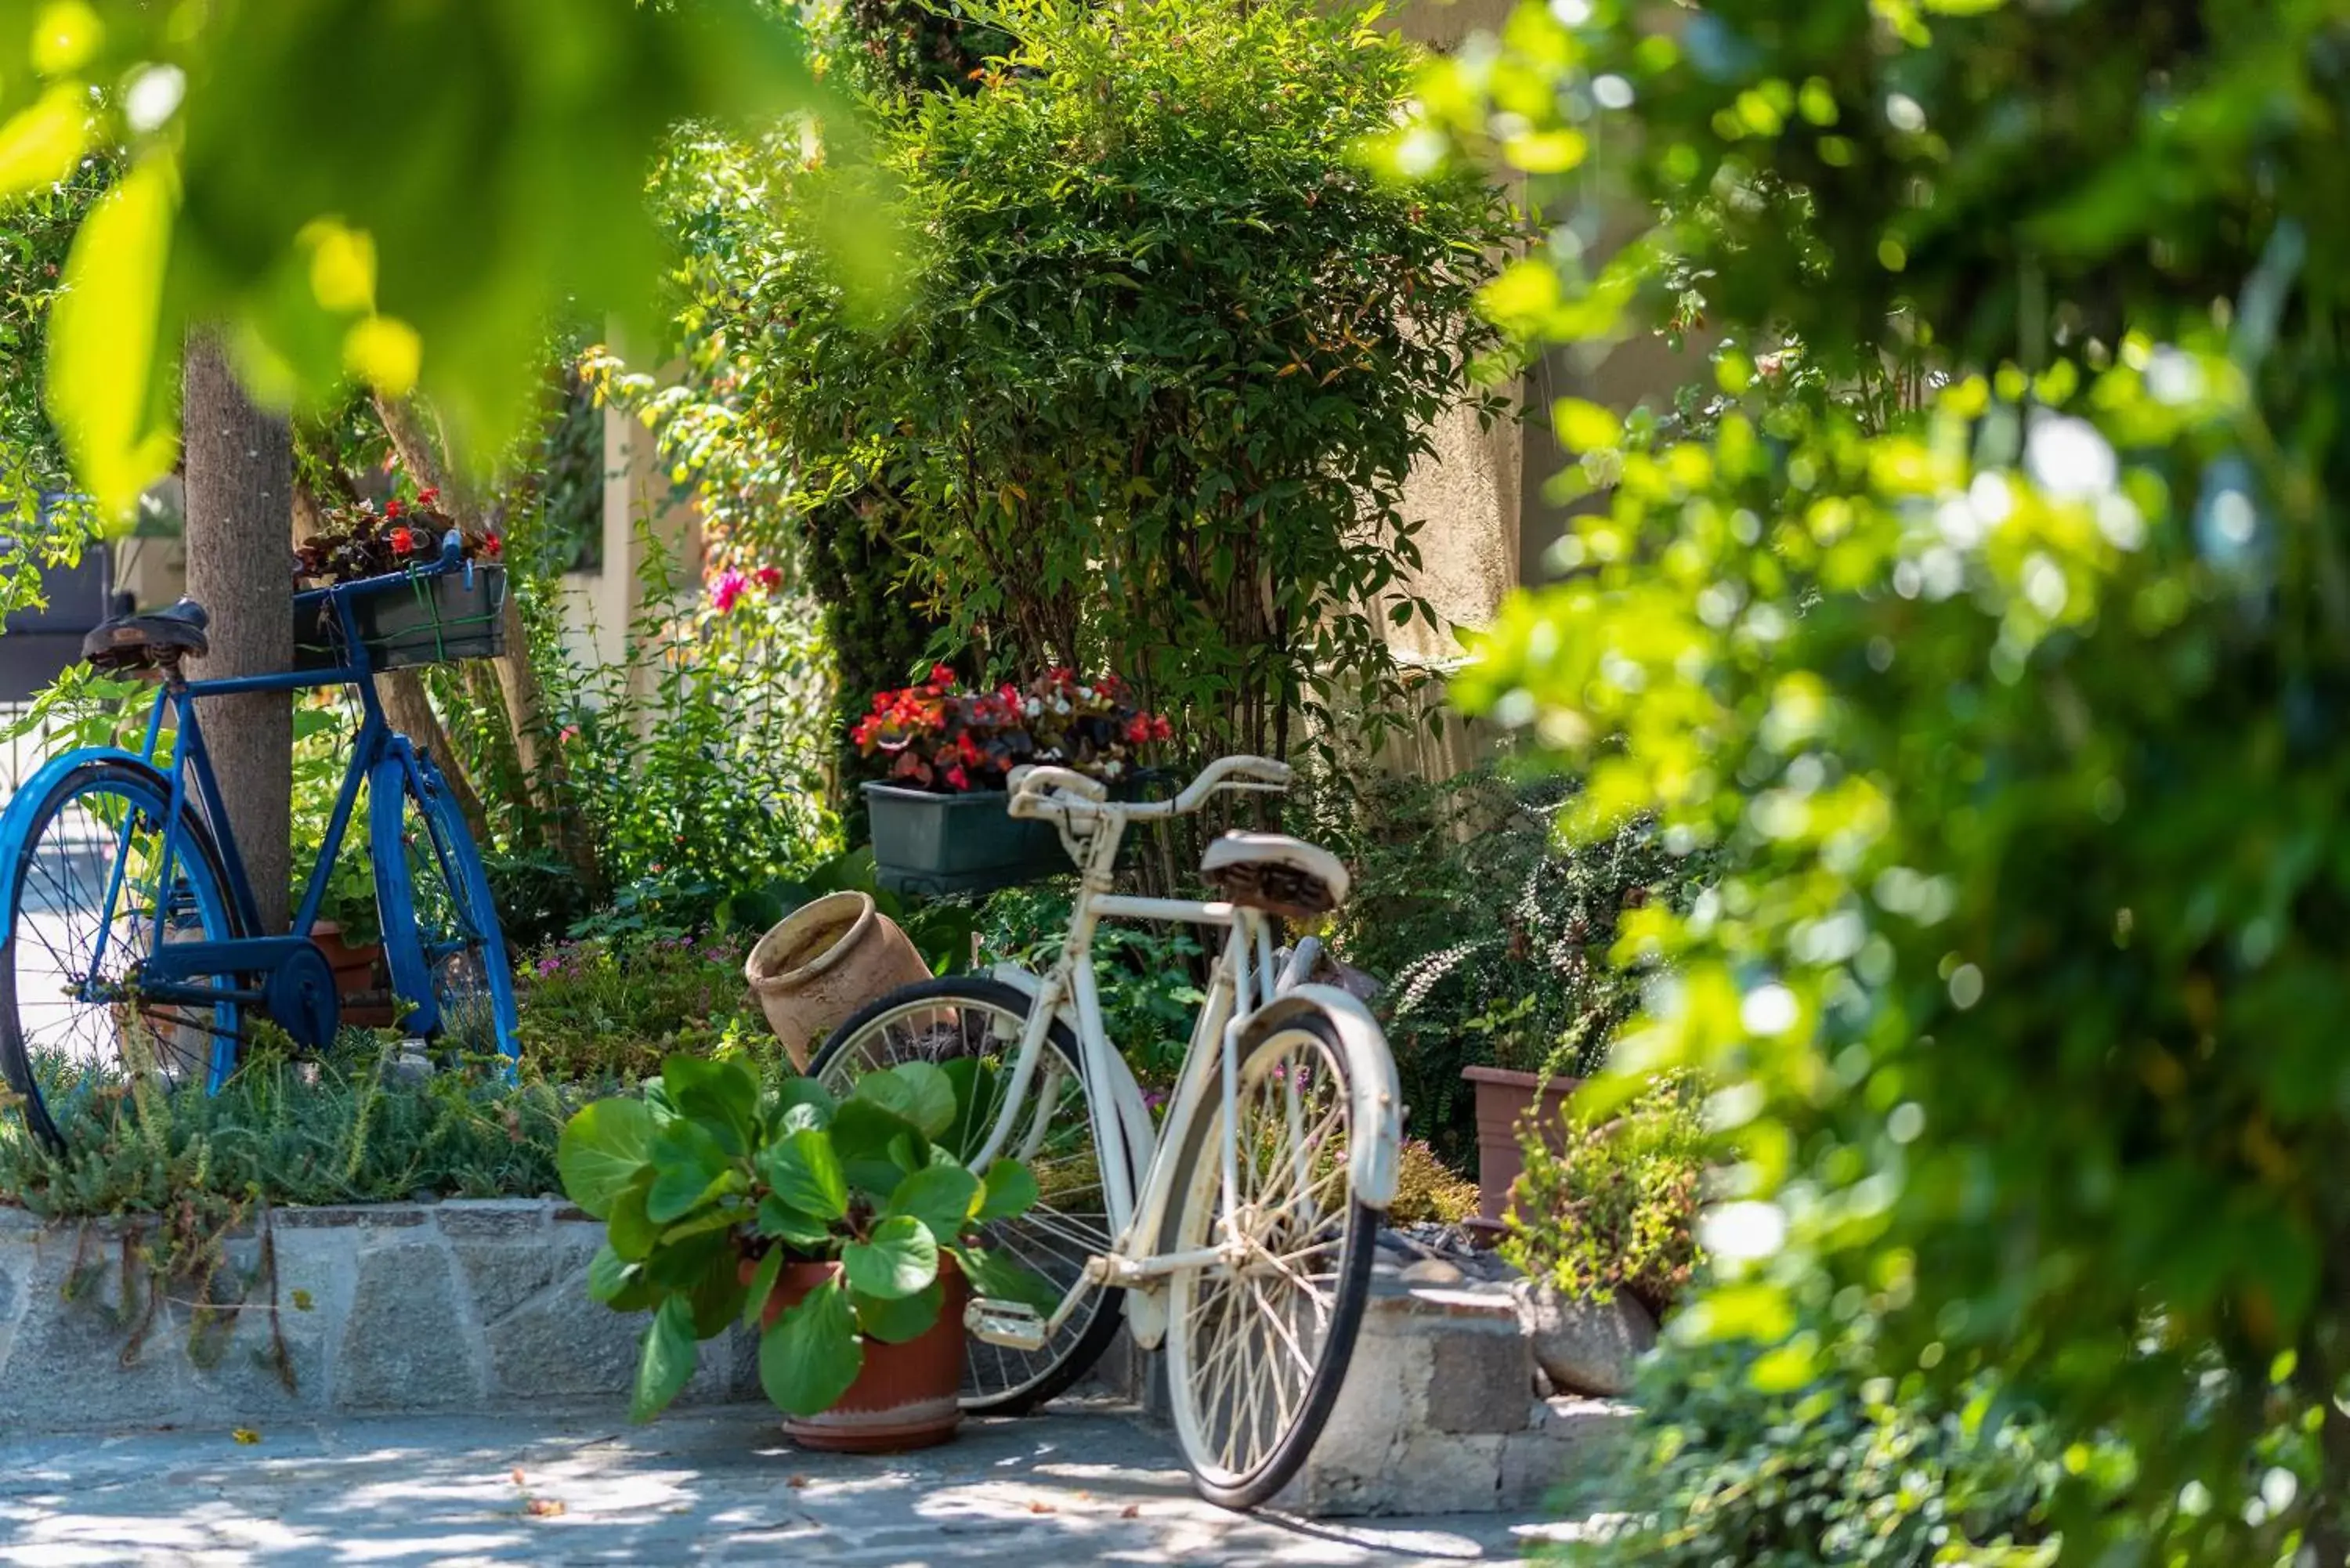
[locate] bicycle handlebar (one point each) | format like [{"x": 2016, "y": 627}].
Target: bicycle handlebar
[{"x": 1047, "y": 791}]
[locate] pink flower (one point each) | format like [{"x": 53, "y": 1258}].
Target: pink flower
[
  {"x": 957, "y": 778},
  {"x": 730, "y": 587}
]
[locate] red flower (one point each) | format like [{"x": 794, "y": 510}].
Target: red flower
[
  {"x": 769, "y": 578},
  {"x": 427, "y": 497},
  {"x": 1161, "y": 729},
  {"x": 957, "y": 778},
  {"x": 493, "y": 545},
  {"x": 403, "y": 540},
  {"x": 968, "y": 749},
  {"x": 942, "y": 676},
  {"x": 391, "y": 508},
  {"x": 1137, "y": 729}
]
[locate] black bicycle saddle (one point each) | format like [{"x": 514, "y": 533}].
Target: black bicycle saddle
[{"x": 144, "y": 641}]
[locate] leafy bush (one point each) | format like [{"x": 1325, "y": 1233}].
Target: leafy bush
[
  {"x": 336, "y": 1130},
  {"x": 1148, "y": 976},
  {"x": 615, "y": 1007},
  {"x": 1615, "y": 1205},
  {"x": 1428, "y": 1190},
  {"x": 1163, "y": 352},
  {"x": 1491, "y": 934},
  {"x": 709, "y": 1187},
  {"x": 1837, "y": 1470},
  {"x": 2020, "y": 708}
]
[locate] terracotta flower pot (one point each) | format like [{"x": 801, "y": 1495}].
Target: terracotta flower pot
[
  {"x": 907, "y": 1396},
  {"x": 1504, "y": 1099},
  {"x": 365, "y": 1003},
  {"x": 822, "y": 962}
]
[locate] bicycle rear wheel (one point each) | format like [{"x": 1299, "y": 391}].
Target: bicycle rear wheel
[
  {"x": 87, "y": 878},
  {"x": 440, "y": 928},
  {"x": 1256, "y": 1352},
  {"x": 961, "y": 1016}
]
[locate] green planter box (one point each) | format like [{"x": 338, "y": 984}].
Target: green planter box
[
  {"x": 431, "y": 618},
  {"x": 931, "y": 845}
]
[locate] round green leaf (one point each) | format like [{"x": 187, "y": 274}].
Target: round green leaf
[
  {"x": 919, "y": 1092},
  {"x": 668, "y": 1359},
  {"x": 908, "y": 1317},
  {"x": 805, "y": 1172},
  {"x": 899, "y": 1259},
  {"x": 940, "y": 1196},
  {"x": 1011, "y": 1190},
  {"x": 601, "y": 1150},
  {"x": 809, "y": 1358}
]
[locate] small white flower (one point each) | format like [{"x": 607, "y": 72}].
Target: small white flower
[
  {"x": 1036, "y": 706},
  {"x": 1743, "y": 1232}
]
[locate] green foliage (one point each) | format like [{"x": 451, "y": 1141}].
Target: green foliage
[
  {"x": 336, "y": 1130},
  {"x": 1428, "y": 1190},
  {"x": 700, "y": 780},
  {"x": 1833, "y": 1470},
  {"x": 1148, "y": 977},
  {"x": 1613, "y": 1206},
  {"x": 612, "y": 1009},
  {"x": 2017, "y": 716},
  {"x": 906, "y": 46},
  {"x": 424, "y": 248},
  {"x": 708, "y": 1186},
  {"x": 322, "y": 748},
  {"x": 34, "y": 239},
  {"x": 1493, "y": 935},
  {"x": 1163, "y": 354}
]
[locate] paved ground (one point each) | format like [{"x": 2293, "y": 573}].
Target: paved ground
[{"x": 1079, "y": 1485}]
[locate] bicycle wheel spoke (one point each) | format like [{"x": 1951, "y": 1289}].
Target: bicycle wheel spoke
[{"x": 1258, "y": 1344}]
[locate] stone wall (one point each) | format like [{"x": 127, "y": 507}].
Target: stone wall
[{"x": 460, "y": 1306}]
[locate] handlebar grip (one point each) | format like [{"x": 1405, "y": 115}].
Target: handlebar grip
[{"x": 1032, "y": 786}]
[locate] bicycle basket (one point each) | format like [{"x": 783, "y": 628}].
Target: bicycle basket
[{"x": 421, "y": 617}]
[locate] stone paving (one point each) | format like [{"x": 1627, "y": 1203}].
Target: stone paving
[{"x": 1084, "y": 1484}]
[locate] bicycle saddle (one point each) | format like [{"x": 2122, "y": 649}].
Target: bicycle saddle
[
  {"x": 1275, "y": 872},
  {"x": 143, "y": 641}
]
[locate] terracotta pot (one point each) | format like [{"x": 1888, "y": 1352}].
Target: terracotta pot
[
  {"x": 822, "y": 962},
  {"x": 365, "y": 1002},
  {"x": 907, "y": 1396},
  {"x": 1504, "y": 1099}
]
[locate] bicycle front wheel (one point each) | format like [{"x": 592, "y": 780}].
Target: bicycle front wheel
[
  {"x": 89, "y": 878},
  {"x": 968, "y": 1016},
  {"x": 440, "y": 928},
  {"x": 1257, "y": 1348}
]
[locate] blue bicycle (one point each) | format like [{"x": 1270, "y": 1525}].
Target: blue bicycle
[{"x": 133, "y": 943}]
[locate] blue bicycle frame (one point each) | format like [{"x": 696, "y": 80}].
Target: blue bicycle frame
[{"x": 381, "y": 756}]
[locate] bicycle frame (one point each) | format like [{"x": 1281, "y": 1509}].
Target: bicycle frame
[
  {"x": 378, "y": 752},
  {"x": 1135, "y": 1180}
]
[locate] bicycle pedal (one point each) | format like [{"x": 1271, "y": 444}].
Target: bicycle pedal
[{"x": 1016, "y": 1325}]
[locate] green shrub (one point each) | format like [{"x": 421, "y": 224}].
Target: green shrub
[
  {"x": 336, "y": 1130},
  {"x": 1839, "y": 1471},
  {"x": 1493, "y": 936},
  {"x": 1161, "y": 355},
  {"x": 615, "y": 1007},
  {"x": 1614, "y": 1208},
  {"x": 1428, "y": 1190},
  {"x": 1148, "y": 976}
]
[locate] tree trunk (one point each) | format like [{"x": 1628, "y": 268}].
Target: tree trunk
[
  {"x": 406, "y": 704},
  {"x": 413, "y": 437},
  {"x": 240, "y": 508}
]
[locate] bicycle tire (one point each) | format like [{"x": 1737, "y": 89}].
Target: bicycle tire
[
  {"x": 1070, "y": 1355},
  {"x": 441, "y": 933},
  {"x": 145, "y": 790},
  {"x": 1190, "y": 1223}
]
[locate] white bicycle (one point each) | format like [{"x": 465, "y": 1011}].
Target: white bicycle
[{"x": 1239, "y": 1234}]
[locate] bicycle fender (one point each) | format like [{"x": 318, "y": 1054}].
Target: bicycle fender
[
  {"x": 18, "y": 822},
  {"x": 1371, "y": 1079}
]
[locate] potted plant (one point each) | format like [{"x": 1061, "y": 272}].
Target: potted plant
[
  {"x": 846, "y": 1232},
  {"x": 938, "y": 820},
  {"x": 414, "y": 614}
]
